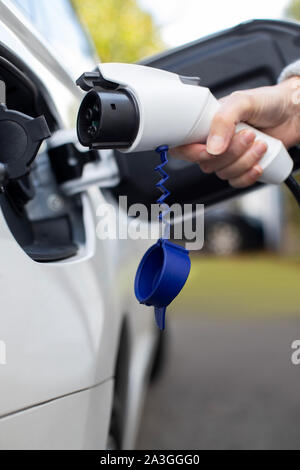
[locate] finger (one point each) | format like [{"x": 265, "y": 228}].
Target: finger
[
  {"x": 240, "y": 143},
  {"x": 193, "y": 152},
  {"x": 245, "y": 163},
  {"x": 234, "y": 109},
  {"x": 248, "y": 178}
]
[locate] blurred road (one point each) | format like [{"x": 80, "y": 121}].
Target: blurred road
[{"x": 228, "y": 384}]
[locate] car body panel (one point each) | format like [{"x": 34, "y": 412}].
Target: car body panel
[
  {"x": 76, "y": 421},
  {"x": 61, "y": 321}
]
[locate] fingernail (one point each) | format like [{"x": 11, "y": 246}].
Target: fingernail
[
  {"x": 257, "y": 170},
  {"x": 215, "y": 144},
  {"x": 260, "y": 148},
  {"x": 248, "y": 137}
]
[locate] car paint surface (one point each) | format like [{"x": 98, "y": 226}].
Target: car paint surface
[{"x": 61, "y": 322}]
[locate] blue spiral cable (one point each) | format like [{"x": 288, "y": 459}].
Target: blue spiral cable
[
  {"x": 165, "y": 266},
  {"x": 163, "y": 152},
  {"x": 160, "y": 312}
]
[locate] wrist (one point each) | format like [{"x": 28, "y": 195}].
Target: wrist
[
  {"x": 291, "y": 89},
  {"x": 291, "y": 95}
]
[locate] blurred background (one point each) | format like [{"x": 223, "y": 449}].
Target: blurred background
[{"x": 224, "y": 377}]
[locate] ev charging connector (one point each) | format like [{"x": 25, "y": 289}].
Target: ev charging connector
[{"x": 135, "y": 108}]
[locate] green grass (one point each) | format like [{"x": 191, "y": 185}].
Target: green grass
[{"x": 250, "y": 285}]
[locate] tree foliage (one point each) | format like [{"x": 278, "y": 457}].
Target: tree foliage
[
  {"x": 120, "y": 30},
  {"x": 293, "y": 10}
]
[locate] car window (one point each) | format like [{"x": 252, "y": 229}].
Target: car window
[{"x": 57, "y": 21}]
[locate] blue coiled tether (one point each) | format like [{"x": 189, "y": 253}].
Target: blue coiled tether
[{"x": 165, "y": 267}]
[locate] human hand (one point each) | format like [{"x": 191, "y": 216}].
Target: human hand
[{"x": 274, "y": 110}]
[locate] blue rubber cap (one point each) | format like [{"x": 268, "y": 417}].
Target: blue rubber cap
[{"x": 161, "y": 275}]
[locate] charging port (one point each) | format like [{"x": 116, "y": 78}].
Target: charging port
[{"x": 46, "y": 223}]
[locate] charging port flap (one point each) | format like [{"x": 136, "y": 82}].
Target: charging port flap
[{"x": 21, "y": 137}]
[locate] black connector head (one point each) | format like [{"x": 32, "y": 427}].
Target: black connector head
[{"x": 107, "y": 119}]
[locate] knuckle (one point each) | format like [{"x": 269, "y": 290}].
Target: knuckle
[
  {"x": 234, "y": 184},
  {"x": 254, "y": 157},
  {"x": 206, "y": 168},
  {"x": 245, "y": 139},
  {"x": 222, "y": 174},
  {"x": 239, "y": 139},
  {"x": 220, "y": 119},
  {"x": 250, "y": 160},
  {"x": 239, "y": 182},
  {"x": 247, "y": 179},
  {"x": 253, "y": 178},
  {"x": 260, "y": 148}
]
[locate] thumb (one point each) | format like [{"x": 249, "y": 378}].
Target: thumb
[{"x": 234, "y": 109}]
